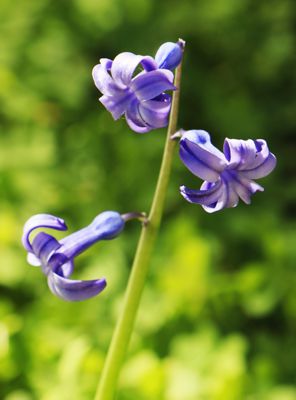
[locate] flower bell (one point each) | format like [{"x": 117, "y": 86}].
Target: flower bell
[
  {"x": 56, "y": 258},
  {"x": 140, "y": 97},
  {"x": 228, "y": 176}
]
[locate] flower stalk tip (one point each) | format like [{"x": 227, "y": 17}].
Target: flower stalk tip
[{"x": 181, "y": 43}]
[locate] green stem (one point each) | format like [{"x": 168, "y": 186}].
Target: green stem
[{"x": 123, "y": 330}]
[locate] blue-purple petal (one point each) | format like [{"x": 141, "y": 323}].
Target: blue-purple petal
[
  {"x": 44, "y": 246},
  {"x": 221, "y": 202},
  {"x": 251, "y": 158},
  {"x": 224, "y": 193},
  {"x": 207, "y": 195},
  {"x": 61, "y": 265},
  {"x": 200, "y": 156},
  {"x": 169, "y": 55},
  {"x": 211, "y": 196},
  {"x": 74, "y": 290},
  {"x": 232, "y": 189},
  {"x": 155, "y": 113},
  {"x": 117, "y": 105},
  {"x": 123, "y": 68},
  {"x": 124, "y": 65},
  {"x": 245, "y": 154},
  {"x": 261, "y": 170},
  {"x": 243, "y": 187},
  {"x": 148, "y": 85},
  {"x": 228, "y": 197},
  {"x": 148, "y": 63},
  {"x": 105, "y": 226},
  {"x": 102, "y": 79},
  {"x": 41, "y": 221},
  {"x": 238, "y": 151},
  {"x": 134, "y": 118}
]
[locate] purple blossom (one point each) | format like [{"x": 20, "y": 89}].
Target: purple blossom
[
  {"x": 56, "y": 258},
  {"x": 140, "y": 97},
  {"x": 228, "y": 176}
]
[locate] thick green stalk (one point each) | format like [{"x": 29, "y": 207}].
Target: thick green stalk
[{"x": 123, "y": 330}]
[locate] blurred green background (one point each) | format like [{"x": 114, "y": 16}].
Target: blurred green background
[{"x": 218, "y": 316}]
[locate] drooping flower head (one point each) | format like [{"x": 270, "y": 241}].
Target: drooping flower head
[
  {"x": 228, "y": 176},
  {"x": 141, "y": 96},
  {"x": 56, "y": 258}
]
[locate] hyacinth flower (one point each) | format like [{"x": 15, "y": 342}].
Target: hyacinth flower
[
  {"x": 139, "y": 95},
  {"x": 228, "y": 176},
  {"x": 56, "y": 257}
]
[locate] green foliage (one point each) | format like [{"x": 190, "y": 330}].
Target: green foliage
[{"x": 217, "y": 319}]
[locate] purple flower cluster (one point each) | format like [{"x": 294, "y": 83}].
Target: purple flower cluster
[
  {"x": 135, "y": 86},
  {"x": 141, "y": 96}
]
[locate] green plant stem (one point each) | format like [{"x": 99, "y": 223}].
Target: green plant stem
[{"x": 123, "y": 330}]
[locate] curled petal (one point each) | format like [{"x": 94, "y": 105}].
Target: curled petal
[
  {"x": 233, "y": 188},
  {"x": 249, "y": 155},
  {"x": 243, "y": 187},
  {"x": 224, "y": 193},
  {"x": 239, "y": 152},
  {"x": 125, "y": 64},
  {"x": 103, "y": 80},
  {"x": 261, "y": 170},
  {"x": 33, "y": 260},
  {"x": 117, "y": 105},
  {"x": 149, "y": 64},
  {"x": 134, "y": 118},
  {"x": 200, "y": 156},
  {"x": 155, "y": 113},
  {"x": 105, "y": 226},
  {"x": 74, "y": 290},
  {"x": 151, "y": 84},
  {"x": 41, "y": 221},
  {"x": 169, "y": 55},
  {"x": 44, "y": 247},
  {"x": 60, "y": 264},
  {"x": 212, "y": 196},
  {"x": 228, "y": 198},
  {"x": 207, "y": 195}
]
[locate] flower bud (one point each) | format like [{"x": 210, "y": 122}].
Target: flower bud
[
  {"x": 108, "y": 225},
  {"x": 169, "y": 55}
]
